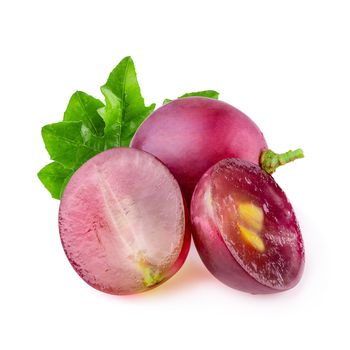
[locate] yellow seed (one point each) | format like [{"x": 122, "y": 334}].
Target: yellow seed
[
  {"x": 252, "y": 238},
  {"x": 251, "y": 215}
]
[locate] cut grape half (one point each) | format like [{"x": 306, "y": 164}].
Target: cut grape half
[
  {"x": 245, "y": 229},
  {"x": 123, "y": 222}
]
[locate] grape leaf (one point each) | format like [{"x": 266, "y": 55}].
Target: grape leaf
[
  {"x": 83, "y": 107},
  {"x": 54, "y": 176},
  {"x": 90, "y": 127},
  {"x": 206, "y": 93},
  {"x": 112, "y": 115},
  {"x": 130, "y": 111},
  {"x": 70, "y": 143}
]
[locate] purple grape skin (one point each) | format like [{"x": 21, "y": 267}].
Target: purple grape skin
[
  {"x": 281, "y": 266},
  {"x": 190, "y": 135}
]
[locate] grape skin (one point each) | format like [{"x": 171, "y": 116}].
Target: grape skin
[{"x": 190, "y": 135}]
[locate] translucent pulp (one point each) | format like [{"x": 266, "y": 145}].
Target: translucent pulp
[
  {"x": 122, "y": 222},
  {"x": 245, "y": 228}
]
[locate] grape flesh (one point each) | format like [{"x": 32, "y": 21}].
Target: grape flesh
[
  {"x": 190, "y": 135},
  {"x": 245, "y": 229},
  {"x": 123, "y": 222}
]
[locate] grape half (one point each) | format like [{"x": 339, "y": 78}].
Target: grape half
[
  {"x": 245, "y": 229},
  {"x": 123, "y": 222}
]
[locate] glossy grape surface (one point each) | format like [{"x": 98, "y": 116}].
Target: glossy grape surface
[
  {"x": 190, "y": 135},
  {"x": 245, "y": 229},
  {"x": 123, "y": 222}
]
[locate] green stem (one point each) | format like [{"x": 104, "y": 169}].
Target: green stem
[{"x": 270, "y": 161}]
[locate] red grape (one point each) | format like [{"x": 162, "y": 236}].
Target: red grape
[
  {"x": 190, "y": 135},
  {"x": 123, "y": 222},
  {"x": 245, "y": 229}
]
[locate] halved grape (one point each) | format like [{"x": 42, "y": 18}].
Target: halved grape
[
  {"x": 123, "y": 222},
  {"x": 245, "y": 229}
]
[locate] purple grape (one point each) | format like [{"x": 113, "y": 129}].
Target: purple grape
[{"x": 191, "y": 134}]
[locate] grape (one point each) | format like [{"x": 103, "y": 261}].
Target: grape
[
  {"x": 245, "y": 229},
  {"x": 123, "y": 222},
  {"x": 190, "y": 135}
]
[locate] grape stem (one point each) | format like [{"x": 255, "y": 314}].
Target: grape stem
[{"x": 270, "y": 161}]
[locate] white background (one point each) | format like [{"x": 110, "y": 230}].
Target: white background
[{"x": 284, "y": 63}]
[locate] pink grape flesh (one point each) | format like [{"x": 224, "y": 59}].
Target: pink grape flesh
[{"x": 122, "y": 222}]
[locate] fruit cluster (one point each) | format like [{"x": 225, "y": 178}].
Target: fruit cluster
[{"x": 196, "y": 166}]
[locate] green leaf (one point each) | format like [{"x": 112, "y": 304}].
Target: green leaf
[
  {"x": 90, "y": 127},
  {"x": 167, "y": 100},
  {"x": 112, "y": 114},
  {"x": 206, "y": 93},
  {"x": 122, "y": 86},
  {"x": 70, "y": 143},
  {"x": 54, "y": 177},
  {"x": 83, "y": 107}
]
